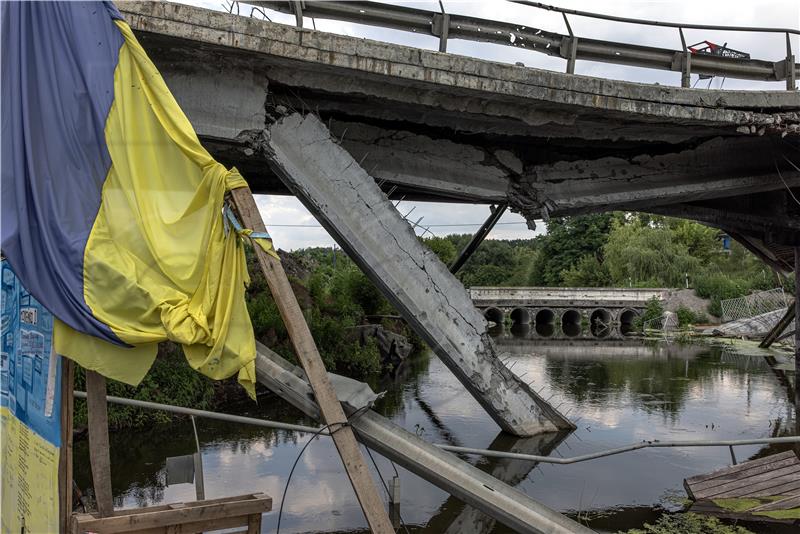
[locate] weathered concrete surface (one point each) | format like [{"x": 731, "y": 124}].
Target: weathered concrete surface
[
  {"x": 349, "y": 204},
  {"x": 377, "y": 69},
  {"x": 457, "y": 477},
  {"x": 510, "y": 471},
  {"x": 446, "y": 127},
  {"x": 585, "y": 297},
  {"x": 757, "y": 326}
]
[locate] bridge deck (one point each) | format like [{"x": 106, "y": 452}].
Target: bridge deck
[{"x": 438, "y": 126}]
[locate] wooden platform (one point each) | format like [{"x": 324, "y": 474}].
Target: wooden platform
[
  {"x": 185, "y": 518},
  {"x": 766, "y": 489}
]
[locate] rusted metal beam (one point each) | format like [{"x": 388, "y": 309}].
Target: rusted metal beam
[{"x": 477, "y": 239}]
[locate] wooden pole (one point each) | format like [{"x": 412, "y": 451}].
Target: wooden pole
[
  {"x": 306, "y": 351},
  {"x": 99, "y": 455},
  {"x": 797, "y": 339},
  {"x": 65, "y": 453}
]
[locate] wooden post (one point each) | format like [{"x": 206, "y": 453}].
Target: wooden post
[
  {"x": 797, "y": 341},
  {"x": 306, "y": 351},
  {"x": 65, "y": 453},
  {"x": 99, "y": 456}
]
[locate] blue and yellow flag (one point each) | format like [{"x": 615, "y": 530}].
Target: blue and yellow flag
[{"x": 112, "y": 211}]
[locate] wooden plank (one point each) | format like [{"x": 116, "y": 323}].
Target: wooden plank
[
  {"x": 144, "y": 518},
  {"x": 764, "y": 487},
  {"x": 197, "y": 527},
  {"x": 790, "y": 487},
  {"x": 306, "y": 351},
  {"x": 758, "y": 482},
  {"x": 156, "y": 508},
  {"x": 734, "y": 475},
  {"x": 744, "y": 465},
  {"x": 254, "y": 524},
  {"x": 65, "y": 452},
  {"x": 783, "y": 504},
  {"x": 99, "y": 455}
]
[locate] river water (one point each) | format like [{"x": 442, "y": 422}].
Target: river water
[{"x": 620, "y": 392}]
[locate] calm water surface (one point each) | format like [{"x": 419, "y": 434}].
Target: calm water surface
[{"x": 619, "y": 393}]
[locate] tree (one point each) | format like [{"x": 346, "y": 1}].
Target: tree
[
  {"x": 568, "y": 240},
  {"x": 588, "y": 272},
  {"x": 442, "y": 247},
  {"x": 647, "y": 255}
]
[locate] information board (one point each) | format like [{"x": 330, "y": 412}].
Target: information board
[{"x": 30, "y": 412}]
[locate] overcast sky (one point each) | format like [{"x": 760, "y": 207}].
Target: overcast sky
[{"x": 281, "y": 210}]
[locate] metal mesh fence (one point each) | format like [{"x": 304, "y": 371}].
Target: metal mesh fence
[
  {"x": 665, "y": 324},
  {"x": 754, "y": 305}
]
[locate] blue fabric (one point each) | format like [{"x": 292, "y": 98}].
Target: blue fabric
[{"x": 57, "y": 88}]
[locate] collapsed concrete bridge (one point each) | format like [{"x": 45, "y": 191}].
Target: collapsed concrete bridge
[
  {"x": 345, "y": 124},
  {"x": 601, "y": 312},
  {"x": 435, "y": 126},
  {"x": 287, "y": 105}
]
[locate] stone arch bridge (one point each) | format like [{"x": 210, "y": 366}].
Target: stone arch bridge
[{"x": 551, "y": 312}]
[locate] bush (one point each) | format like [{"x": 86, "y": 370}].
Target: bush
[
  {"x": 720, "y": 286},
  {"x": 653, "y": 310},
  {"x": 689, "y": 317},
  {"x": 688, "y": 523},
  {"x": 170, "y": 381}
]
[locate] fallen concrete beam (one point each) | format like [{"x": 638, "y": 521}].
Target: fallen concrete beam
[
  {"x": 348, "y": 203},
  {"x": 718, "y": 168},
  {"x": 507, "y": 470},
  {"x": 443, "y": 469}
]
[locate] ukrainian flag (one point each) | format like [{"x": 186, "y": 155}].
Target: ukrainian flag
[{"x": 112, "y": 211}]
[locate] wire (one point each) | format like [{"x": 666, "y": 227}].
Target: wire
[
  {"x": 385, "y": 487},
  {"x": 296, "y": 460},
  {"x": 789, "y": 189},
  {"x": 355, "y": 415},
  {"x": 271, "y": 225}
]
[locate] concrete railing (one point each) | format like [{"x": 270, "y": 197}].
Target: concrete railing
[{"x": 552, "y": 295}]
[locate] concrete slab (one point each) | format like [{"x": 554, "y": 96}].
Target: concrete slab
[
  {"x": 461, "y": 479},
  {"x": 350, "y": 205}
]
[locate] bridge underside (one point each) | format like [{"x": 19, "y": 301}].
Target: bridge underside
[{"x": 431, "y": 126}]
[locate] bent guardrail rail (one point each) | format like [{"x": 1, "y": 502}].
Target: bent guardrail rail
[{"x": 568, "y": 46}]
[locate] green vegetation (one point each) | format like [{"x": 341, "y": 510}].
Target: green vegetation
[
  {"x": 335, "y": 296},
  {"x": 687, "y": 317},
  {"x": 688, "y": 523},
  {"x": 623, "y": 250},
  {"x": 170, "y": 381},
  {"x": 613, "y": 249},
  {"x": 652, "y": 311},
  {"x": 745, "y": 504}
]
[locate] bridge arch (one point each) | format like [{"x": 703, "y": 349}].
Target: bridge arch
[
  {"x": 520, "y": 316},
  {"x": 571, "y": 322},
  {"x": 627, "y": 317},
  {"x": 545, "y": 322},
  {"x": 494, "y": 315},
  {"x": 600, "y": 322}
]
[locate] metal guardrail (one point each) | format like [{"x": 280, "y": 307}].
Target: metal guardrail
[
  {"x": 451, "y": 448},
  {"x": 569, "y": 47}
]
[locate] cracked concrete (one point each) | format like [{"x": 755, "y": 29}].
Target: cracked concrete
[
  {"x": 466, "y": 129},
  {"x": 348, "y": 203}
]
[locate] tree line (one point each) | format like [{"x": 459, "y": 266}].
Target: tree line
[{"x": 619, "y": 250}]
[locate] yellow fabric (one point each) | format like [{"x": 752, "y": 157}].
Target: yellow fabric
[{"x": 158, "y": 264}]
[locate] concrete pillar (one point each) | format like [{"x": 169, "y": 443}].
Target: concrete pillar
[{"x": 351, "y": 206}]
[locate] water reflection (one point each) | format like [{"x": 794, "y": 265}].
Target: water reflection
[{"x": 619, "y": 391}]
